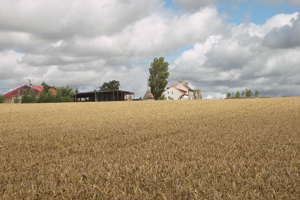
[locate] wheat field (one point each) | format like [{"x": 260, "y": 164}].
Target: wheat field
[{"x": 201, "y": 149}]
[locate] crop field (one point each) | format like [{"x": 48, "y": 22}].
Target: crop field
[{"x": 199, "y": 149}]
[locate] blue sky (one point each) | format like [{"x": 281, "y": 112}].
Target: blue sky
[{"x": 251, "y": 11}]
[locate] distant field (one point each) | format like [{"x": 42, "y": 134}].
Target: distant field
[{"x": 213, "y": 149}]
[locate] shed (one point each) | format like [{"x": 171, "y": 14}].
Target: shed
[{"x": 104, "y": 95}]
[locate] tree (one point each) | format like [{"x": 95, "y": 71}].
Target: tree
[
  {"x": 2, "y": 98},
  {"x": 256, "y": 93},
  {"x": 158, "y": 77},
  {"x": 248, "y": 92},
  {"x": 111, "y": 85},
  {"x": 237, "y": 94},
  {"x": 228, "y": 94},
  {"x": 17, "y": 100},
  {"x": 65, "y": 91},
  {"x": 25, "y": 97},
  {"x": 162, "y": 97},
  {"x": 32, "y": 96},
  {"x": 46, "y": 86},
  {"x": 46, "y": 97},
  {"x": 243, "y": 93}
]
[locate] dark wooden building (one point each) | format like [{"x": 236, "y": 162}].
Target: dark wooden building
[{"x": 104, "y": 95}]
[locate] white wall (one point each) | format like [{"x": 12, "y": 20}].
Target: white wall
[{"x": 173, "y": 93}]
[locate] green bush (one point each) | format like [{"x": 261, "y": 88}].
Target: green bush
[
  {"x": 2, "y": 98},
  {"x": 17, "y": 100}
]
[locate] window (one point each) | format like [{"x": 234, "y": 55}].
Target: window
[
  {"x": 172, "y": 92},
  {"x": 168, "y": 92}
]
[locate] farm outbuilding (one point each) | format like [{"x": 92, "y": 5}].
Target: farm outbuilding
[
  {"x": 104, "y": 95},
  {"x": 17, "y": 93}
]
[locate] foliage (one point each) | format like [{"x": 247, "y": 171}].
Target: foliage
[
  {"x": 158, "y": 76},
  {"x": 162, "y": 97},
  {"x": 228, "y": 94},
  {"x": 64, "y": 91},
  {"x": 243, "y": 93},
  {"x": 256, "y": 93},
  {"x": 248, "y": 92},
  {"x": 46, "y": 86},
  {"x": 47, "y": 97},
  {"x": 17, "y": 100},
  {"x": 2, "y": 98},
  {"x": 26, "y": 98},
  {"x": 181, "y": 96},
  {"x": 111, "y": 85},
  {"x": 237, "y": 94}
]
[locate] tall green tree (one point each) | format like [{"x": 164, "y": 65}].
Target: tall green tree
[
  {"x": 237, "y": 94},
  {"x": 256, "y": 93},
  {"x": 111, "y": 85},
  {"x": 158, "y": 76}
]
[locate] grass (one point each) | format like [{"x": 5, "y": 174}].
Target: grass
[{"x": 213, "y": 149}]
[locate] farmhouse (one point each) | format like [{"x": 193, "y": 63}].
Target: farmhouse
[
  {"x": 17, "y": 93},
  {"x": 104, "y": 95},
  {"x": 182, "y": 91}
]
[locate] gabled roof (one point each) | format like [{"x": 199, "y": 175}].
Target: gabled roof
[
  {"x": 182, "y": 91},
  {"x": 187, "y": 87},
  {"x": 40, "y": 88},
  {"x": 11, "y": 92}
]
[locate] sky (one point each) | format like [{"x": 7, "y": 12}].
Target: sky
[{"x": 218, "y": 46}]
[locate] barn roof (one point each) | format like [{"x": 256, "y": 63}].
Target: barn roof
[{"x": 38, "y": 88}]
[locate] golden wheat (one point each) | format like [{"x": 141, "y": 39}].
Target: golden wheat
[{"x": 204, "y": 149}]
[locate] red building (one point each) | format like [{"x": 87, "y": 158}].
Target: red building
[{"x": 19, "y": 91}]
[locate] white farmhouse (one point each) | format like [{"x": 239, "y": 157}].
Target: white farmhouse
[{"x": 181, "y": 91}]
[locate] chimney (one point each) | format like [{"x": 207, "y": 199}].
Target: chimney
[
  {"x": 180, "y": 81},
  {"x": 186, "y": 83}
]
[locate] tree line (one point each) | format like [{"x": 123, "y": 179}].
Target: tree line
[
  {"x": 63, "y": 94},
  {"x": 246, "y": 93}
]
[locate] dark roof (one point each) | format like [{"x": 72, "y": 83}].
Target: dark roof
[{"x": 103, "y": 91}]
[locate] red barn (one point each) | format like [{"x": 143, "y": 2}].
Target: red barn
[{"x": 19, "y": 91}]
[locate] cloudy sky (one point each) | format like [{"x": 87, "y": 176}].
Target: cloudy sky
[{"x": 218, "y": 46}]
